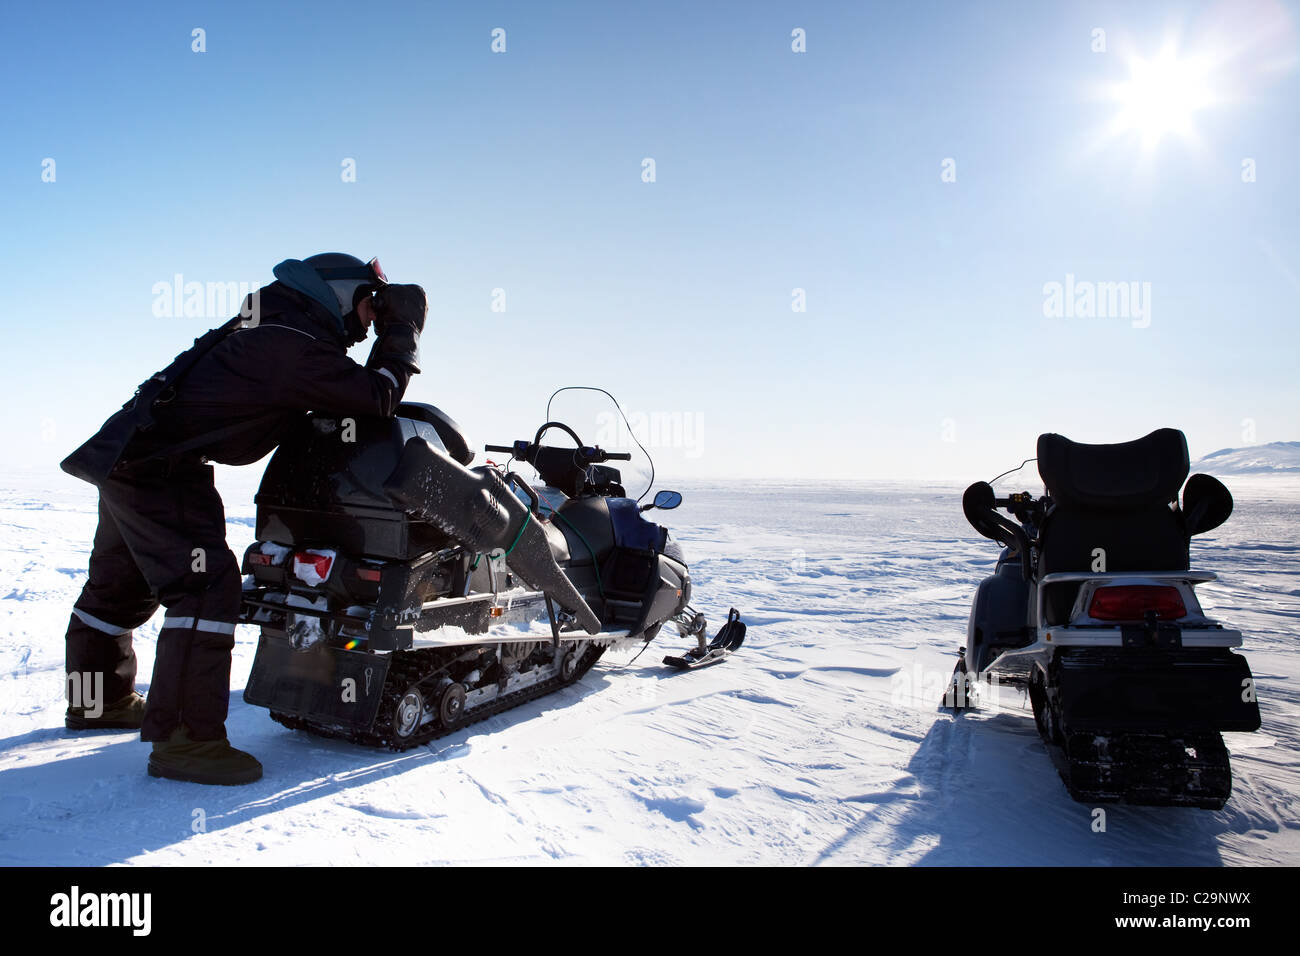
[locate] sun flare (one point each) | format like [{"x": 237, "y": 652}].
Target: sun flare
[{"x": 1162, "y": 96}]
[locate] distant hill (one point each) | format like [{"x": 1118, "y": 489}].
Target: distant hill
[{"x": 1275, "y": 458}]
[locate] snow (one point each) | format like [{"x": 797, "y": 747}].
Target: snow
[
  {"x": 819, "y": 742},
  {"x": 278, "y": 552},
  {"x": 304, "y": 630},
  {"x": 1274, "y": 458},
  {"x": 309, "y": 571}
]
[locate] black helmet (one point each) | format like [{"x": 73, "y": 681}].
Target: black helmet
[
  {"x": 338, "y": 282},
  {"x": 346, "y": 275}
]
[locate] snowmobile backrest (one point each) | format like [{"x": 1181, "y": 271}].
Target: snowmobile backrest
[
  {"x": 1121, "y": 477},
  {"x": 453, "y": 439}
]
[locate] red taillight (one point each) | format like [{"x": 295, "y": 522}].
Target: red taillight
[
  {"x": 1131, "y": 602},
  {"x": 368, "y": 574}
]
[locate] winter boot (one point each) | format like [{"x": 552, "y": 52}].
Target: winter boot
[
  {"x": 202, "y": 761},
  {"x": 125, "y": 714}
]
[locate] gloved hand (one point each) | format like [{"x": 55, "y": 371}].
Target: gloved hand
[
  {"x": 397, "y": 347},
  {"x": 400, "y": 305}
]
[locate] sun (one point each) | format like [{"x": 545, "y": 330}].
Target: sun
[{"x": 1162, "y": 96}]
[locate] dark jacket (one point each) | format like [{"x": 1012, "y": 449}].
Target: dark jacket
[{"x": 258, "y": 381}]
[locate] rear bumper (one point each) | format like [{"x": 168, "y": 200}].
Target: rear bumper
[
  {"x": 1212, "y": 636},
  {"x": 1183, "y": 692}
]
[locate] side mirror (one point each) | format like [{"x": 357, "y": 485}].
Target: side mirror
[{"x": 666, "y": 500}]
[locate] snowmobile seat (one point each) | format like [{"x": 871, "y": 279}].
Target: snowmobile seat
[
  {"x": 1114, "y": 508},
  {"x": 319, "y": 491}
]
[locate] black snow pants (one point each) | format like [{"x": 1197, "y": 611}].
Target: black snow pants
[{"x": 161, "y": 539}]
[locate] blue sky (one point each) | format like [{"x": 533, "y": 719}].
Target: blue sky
[{"x": 924, "y": 349}]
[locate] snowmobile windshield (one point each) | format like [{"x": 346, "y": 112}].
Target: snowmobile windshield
[
  {"x": 611, "y": 431},
  {"x": 1014, "y": 471}
]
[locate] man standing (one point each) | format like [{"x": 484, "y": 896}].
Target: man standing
[{"x": 161, "y": 537}]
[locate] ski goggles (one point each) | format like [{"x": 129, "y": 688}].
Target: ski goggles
[{"x": 370, "y": 272}]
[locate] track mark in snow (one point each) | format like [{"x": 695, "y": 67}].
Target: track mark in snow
[
  {"x": 754, "y": 698},
  {"x": 647, "y": 856},
  {"x": 490, "y": 795},
  {"x": 679, "y": 701},
  {"x": 883, "y": 796},
  {"x": 791, "y": 795},
  {"x": 388, "y": 813},
  {"x": 678, "y": 809},
  {"x": 782, "y": 674},
  {"x": 449, "y": 752},
  {"x": 865, "y": 671}
]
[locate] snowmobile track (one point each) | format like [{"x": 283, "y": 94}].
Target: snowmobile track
[
  {"x": 407, "y": 668},
  {"x": 1191, "y": 770}
]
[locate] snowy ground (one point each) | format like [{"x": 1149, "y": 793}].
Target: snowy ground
[{"x": 820, "y": 743}]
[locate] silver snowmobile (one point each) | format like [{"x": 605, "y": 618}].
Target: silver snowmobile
[
  {"x": 402, "y": 594},
  {"x": 1092, "y": 608}
]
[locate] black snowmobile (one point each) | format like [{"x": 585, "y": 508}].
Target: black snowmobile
[
  {"x": 1092, "y": 608},
  {"x": 402, "y": 594}
]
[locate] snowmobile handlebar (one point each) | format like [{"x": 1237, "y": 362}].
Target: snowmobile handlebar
[
  {"x": 590, "y": 454},
  {"x": 1013, "y": 501},
  {"x": 980, "y": 506}
]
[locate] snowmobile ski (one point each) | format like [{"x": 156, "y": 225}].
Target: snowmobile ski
[
  {"x": 689, "y": 661},
  {"x": 728, "y": 639}
]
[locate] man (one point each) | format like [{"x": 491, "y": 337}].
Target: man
[{"x": 161, "y": 537}]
